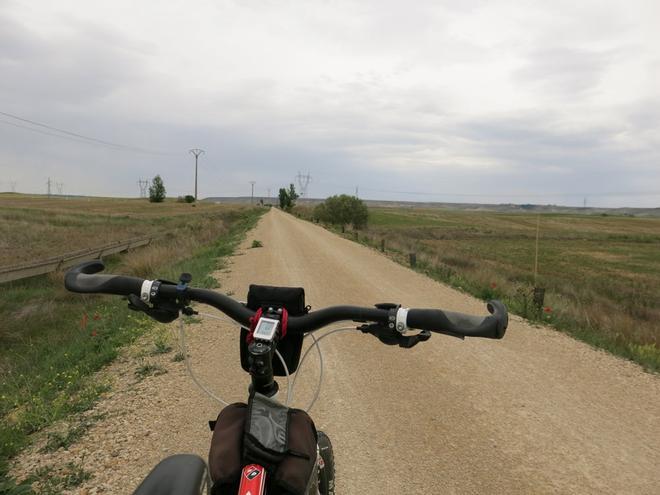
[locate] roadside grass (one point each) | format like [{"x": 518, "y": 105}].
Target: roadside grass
[
  {"x": 601, "y": 273},
  {"x": 53, "y": 482},
  {"x": 52, "y": 341}
]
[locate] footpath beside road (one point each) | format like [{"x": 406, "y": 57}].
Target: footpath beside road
[{"x": 536, "y": 412}]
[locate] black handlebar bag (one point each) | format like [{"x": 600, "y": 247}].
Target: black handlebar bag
[{"x": 293, "y": 300}]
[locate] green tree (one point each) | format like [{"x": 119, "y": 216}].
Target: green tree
[
  {"x": 343, "y": 210},
  {"x": 293, "y": 196},
  {"x": 288, "y": 198},
  {"x": 284, "y": 198},
  {"x": 157, "y": 190}
]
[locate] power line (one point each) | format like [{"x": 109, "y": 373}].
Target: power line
[{"x": 78, "y": 136}]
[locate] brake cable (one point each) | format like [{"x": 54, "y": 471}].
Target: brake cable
[{"x": 182, "y": 344}]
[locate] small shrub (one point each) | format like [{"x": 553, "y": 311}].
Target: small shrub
[
  {"x": 149, "y": 369},
  {"x": 257, "y": 244},
  {"x": 161, "y": 346}
]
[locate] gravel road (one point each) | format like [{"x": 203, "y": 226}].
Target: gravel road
[{"x": 534, "y": 413}]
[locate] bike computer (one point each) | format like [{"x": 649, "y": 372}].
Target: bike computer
[{"x": 266, "y": 329}]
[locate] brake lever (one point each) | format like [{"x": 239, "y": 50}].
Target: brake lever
[
  {"x": 408, "y": 341},
  {"x": 163, "y": 311},
  {"x": 389, "y": 336}
]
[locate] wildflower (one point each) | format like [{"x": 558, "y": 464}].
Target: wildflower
[
  {"x": 97, "y": 316},
  {"x": 493, "y": 285},
  {"x": 547, "y": 309}
]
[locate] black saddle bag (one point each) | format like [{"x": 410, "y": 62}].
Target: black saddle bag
[
  {"x": 280, "y": 439},
  {"x": 293, "y": 300}
]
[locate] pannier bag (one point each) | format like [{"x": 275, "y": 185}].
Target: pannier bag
[
  {"x": 293, "y": 300},
  {"x": 280, "y": 439}
]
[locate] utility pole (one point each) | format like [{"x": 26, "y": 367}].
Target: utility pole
[
  {"x": 252, "y": 195},
  {"x": 196, "y": 152},
  {"x": 60, "y": 187},
  {"x": 356, "y": 192},
  {"x": 12, "y": 184},
  {"x": 49, "y": 182}
]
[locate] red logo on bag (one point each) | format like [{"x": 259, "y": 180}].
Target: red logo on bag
[{"x": 253, "y": 481}]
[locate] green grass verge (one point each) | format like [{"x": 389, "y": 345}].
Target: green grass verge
[{"x": 53, "y": 341}]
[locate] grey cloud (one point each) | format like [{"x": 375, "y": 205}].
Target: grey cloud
[{"x": 85, "y": 66}]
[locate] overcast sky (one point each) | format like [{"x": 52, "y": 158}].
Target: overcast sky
[{"x": 470, "y": 101}]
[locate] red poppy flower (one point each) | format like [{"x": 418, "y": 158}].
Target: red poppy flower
[
  {"x": 493, "y": 285},
  {"x": 97, "y": 316},
  {"x": 547, "y": 309}
]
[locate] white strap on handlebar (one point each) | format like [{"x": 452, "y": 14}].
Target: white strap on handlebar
[
  {"x": 402, "y": 320},
  {"x": 145, "y": 291}
]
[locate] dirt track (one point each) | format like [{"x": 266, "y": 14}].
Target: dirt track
[{"x": 534, "y": 413}]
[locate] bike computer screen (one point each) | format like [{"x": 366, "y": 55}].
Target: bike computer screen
[{"x": 266, "y": 329}]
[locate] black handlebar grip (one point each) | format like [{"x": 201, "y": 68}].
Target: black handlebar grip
[
  {"x": 459, "y": 324},
  {"x": 83, "y": 278}
]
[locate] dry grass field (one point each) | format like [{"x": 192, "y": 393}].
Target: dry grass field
[{"x": 37, "y": 227}]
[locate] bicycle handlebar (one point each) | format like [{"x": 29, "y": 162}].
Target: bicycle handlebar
[
  {"x": 462, "y": 325},
  {"x": 85, "y": 278}
]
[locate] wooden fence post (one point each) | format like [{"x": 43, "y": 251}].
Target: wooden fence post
[
  {"x": 413, "y": 260},
  {"x": 539, "y": 299}
]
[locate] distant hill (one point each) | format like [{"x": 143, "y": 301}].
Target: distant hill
[{"x": 504, "y": 208}]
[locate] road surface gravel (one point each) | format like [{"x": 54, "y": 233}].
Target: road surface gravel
[{"x": 536, "y": 412}]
